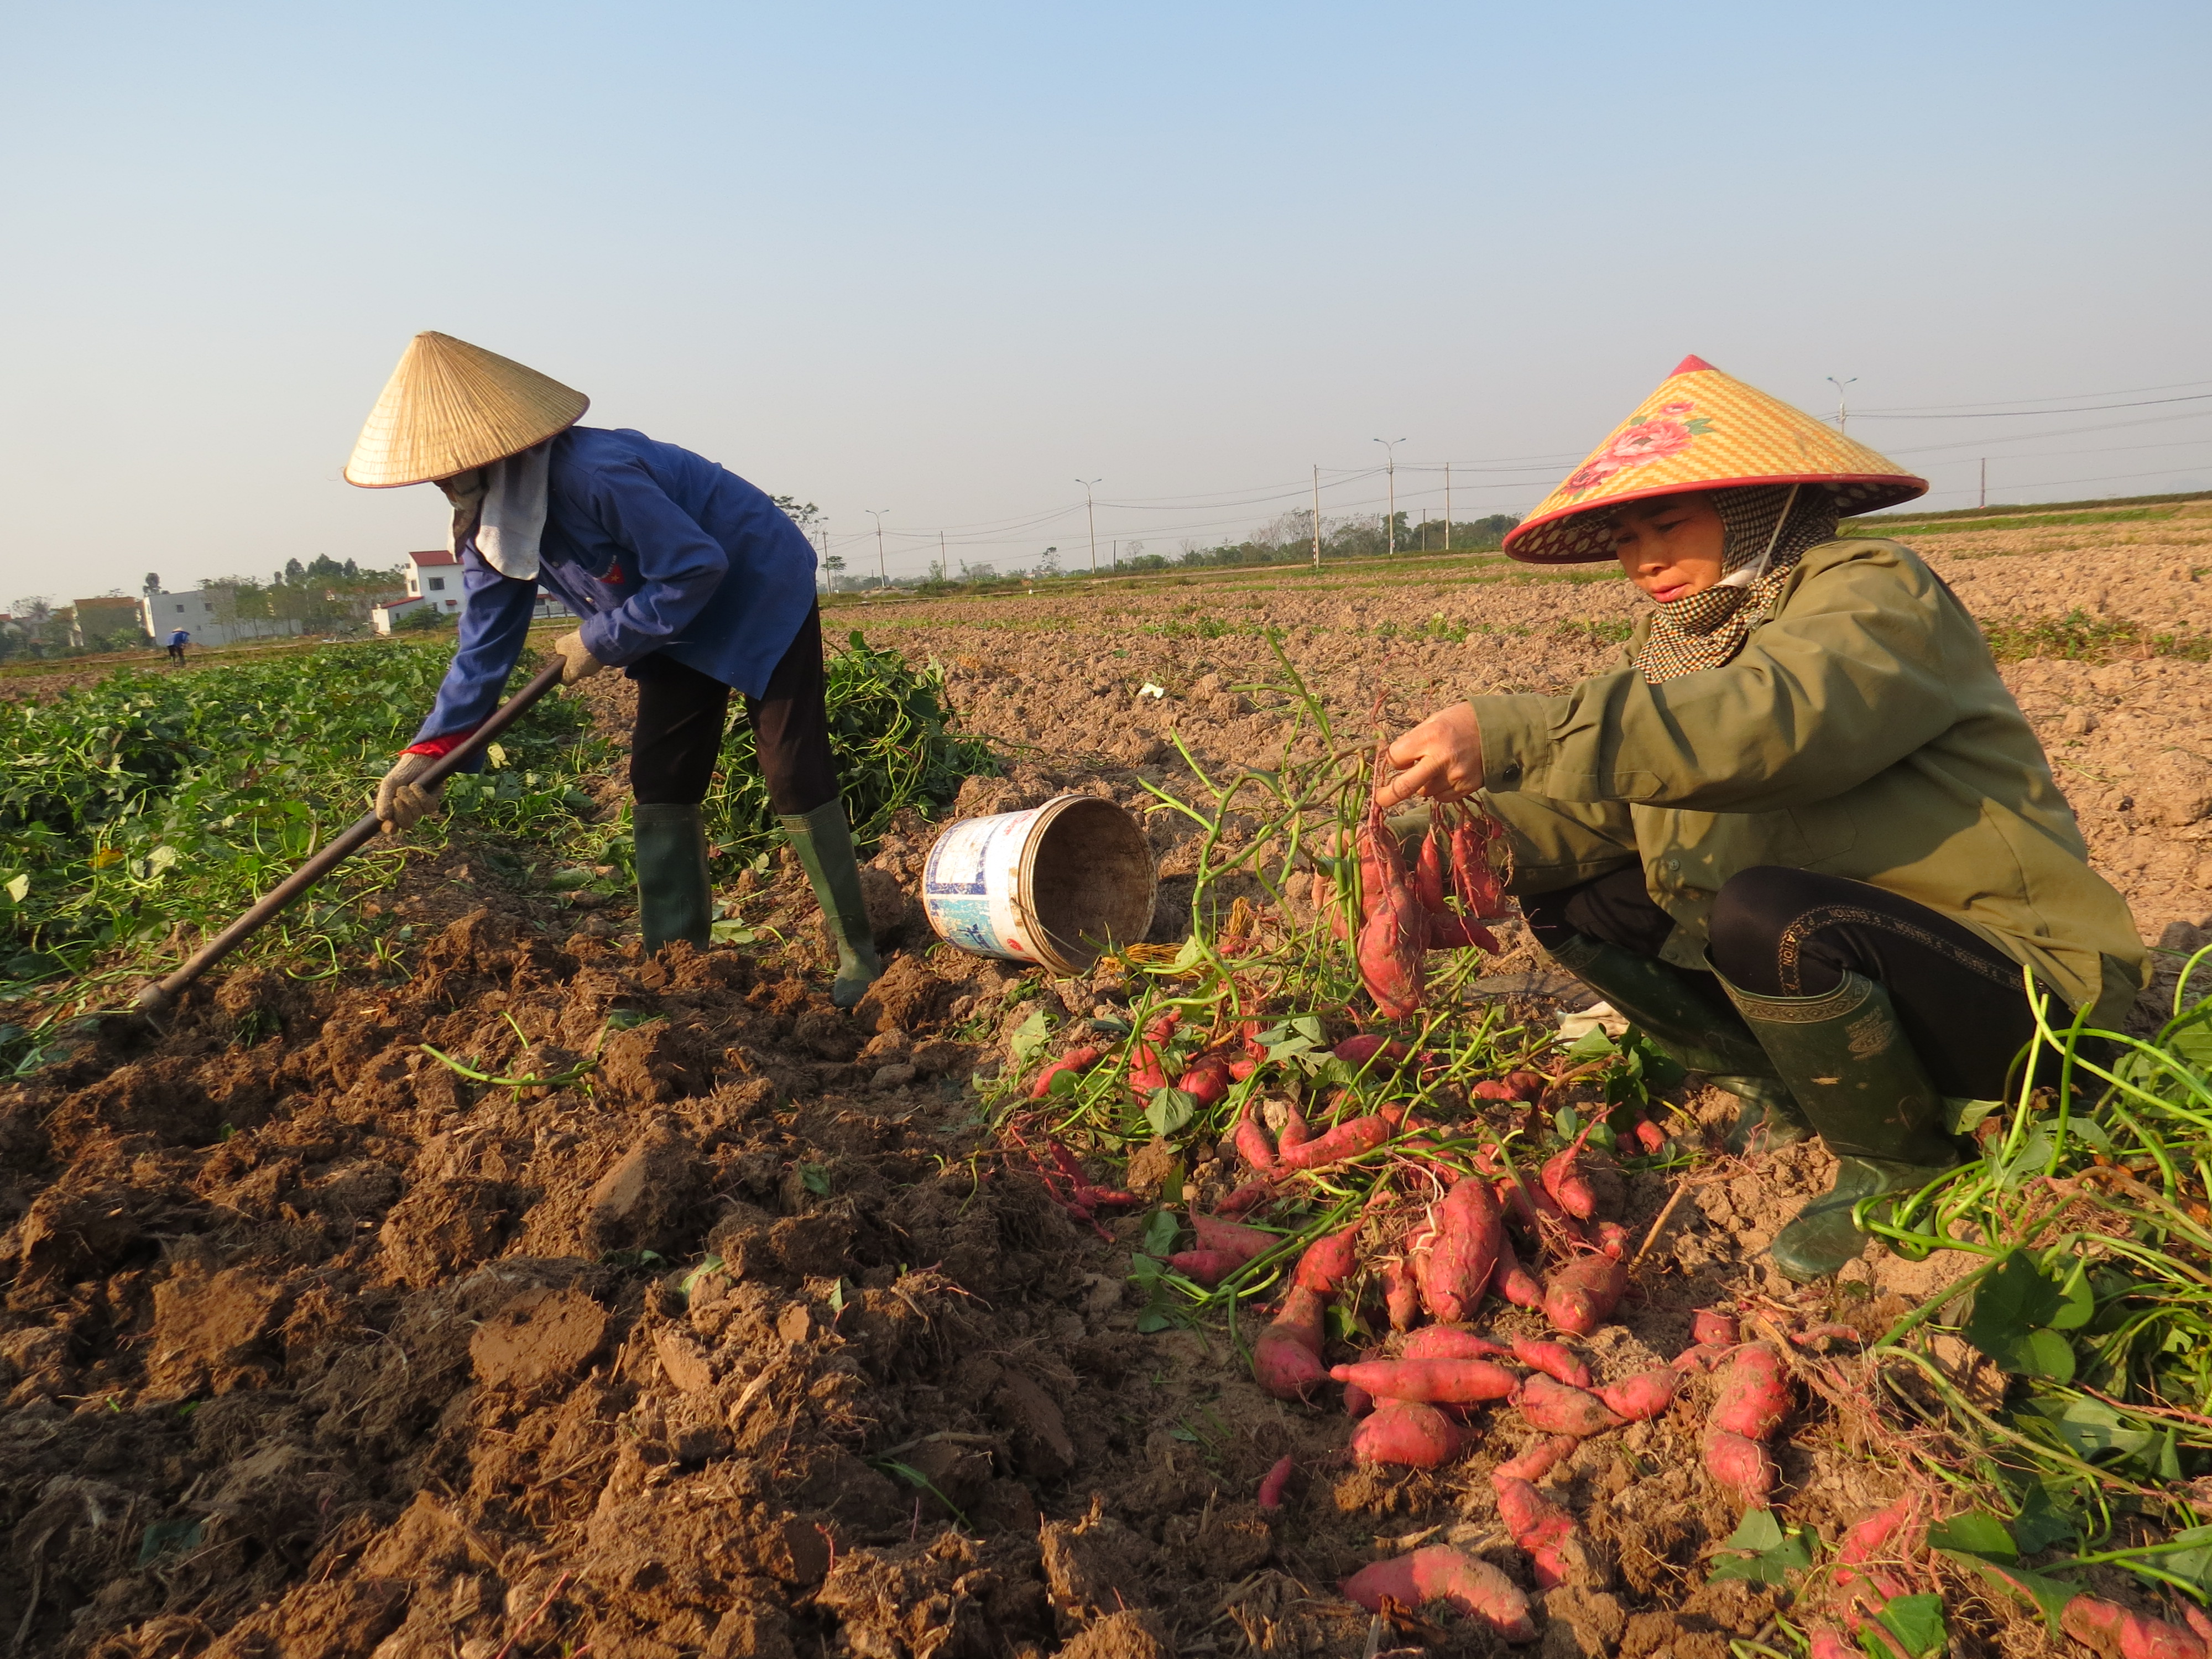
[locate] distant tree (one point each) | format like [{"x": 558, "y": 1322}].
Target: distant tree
[
  {"x": 295, "y": 573},
  {"x": 805, "y": 514},
  {"x": 152, "y": 584},
  {"x": 421, "y": 619},
  {"x": 1047, "y": 563}
]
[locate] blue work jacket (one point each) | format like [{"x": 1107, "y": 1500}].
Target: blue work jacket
[{"x": 657, "y": 550}]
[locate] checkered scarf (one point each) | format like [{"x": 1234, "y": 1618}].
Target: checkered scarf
[{"x": 1769, "y": 527}]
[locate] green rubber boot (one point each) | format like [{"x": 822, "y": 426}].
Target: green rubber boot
[
  {"x": 823, "y": 841},
  {"x": 1699, "y": 1031},
  {"x": 1867, "y": 1096},
  {"x": 673, "y": 898}
]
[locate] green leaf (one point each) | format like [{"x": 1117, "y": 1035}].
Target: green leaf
[
  {"x": 2090, "y": 1428},
  {"x": 2081, "y": 1302},
  {"x": 1761, "y": 1551},
  {"x": 1974, "y": 1533},
  {"x": 1031, "y": 1036},
  {"x": 1161, "y": 1230},
  {"x": 2011, "y": 1309},
  {"x": 1963, "y": 1117},
  {"x": 20, "y": 889},
  {"x": 1170, "y": 1111},
  {"x": 815, "y": 1178},
  {"x": 1593, "y": 1044},
  {"x": 1917, "y": 1622},
  {"x": 2050, "y": 1595},
  {"x": 2041, "y": 1522}
]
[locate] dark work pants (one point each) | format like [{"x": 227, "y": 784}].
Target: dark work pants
[
  {"x": 1782, "y": 933},
  {"x": 680, "y": 716}
]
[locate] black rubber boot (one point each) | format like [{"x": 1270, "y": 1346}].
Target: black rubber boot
[
  {"x": 1699, "y": 1030},
  {"x": 674, "y": 900},
  {"x": 823, "y": 841},
  {"x": 1867, "y": 1096}
]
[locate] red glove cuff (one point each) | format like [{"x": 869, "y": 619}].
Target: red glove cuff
[{"x": 444, "y": 745}]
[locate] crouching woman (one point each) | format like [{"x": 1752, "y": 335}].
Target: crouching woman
[{"x": 1802, "y": 835}]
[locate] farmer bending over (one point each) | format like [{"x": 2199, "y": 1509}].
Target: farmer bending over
[
  {"x": 1802, "y": 835},
  {"x": 688, "y": 578}
]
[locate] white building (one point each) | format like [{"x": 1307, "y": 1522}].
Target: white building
[
  {"x": 196, "y": 614},
  {"x": 435, "y": 576}
]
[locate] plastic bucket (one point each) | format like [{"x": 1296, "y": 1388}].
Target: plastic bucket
[{"x": 1058, "y": 885}]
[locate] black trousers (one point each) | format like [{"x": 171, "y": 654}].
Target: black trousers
[
  {"x": 1782, "y": 933},
  {"x": 681, "y": 712}
]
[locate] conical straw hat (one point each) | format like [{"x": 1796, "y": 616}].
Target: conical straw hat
[
  {"x": 451, "y": 406},
  {"x": 1702, "y": 429}
]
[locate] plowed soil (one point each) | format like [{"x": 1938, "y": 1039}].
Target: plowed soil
[{"x": 711, "y": 1321}]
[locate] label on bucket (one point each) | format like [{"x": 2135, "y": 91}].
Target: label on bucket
[{"x": 971, "y": 885}]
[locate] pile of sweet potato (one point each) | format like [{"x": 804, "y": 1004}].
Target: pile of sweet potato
[{"x": 1406, "y": 906}]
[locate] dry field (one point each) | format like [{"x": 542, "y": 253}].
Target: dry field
[{"x": 752, "y": 1340}]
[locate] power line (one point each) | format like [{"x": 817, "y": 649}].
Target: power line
[{"x": 2009, "y": 414}]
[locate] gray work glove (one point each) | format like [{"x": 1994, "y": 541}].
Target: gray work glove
[
  {"x": 400, "y": 800},
  {"x": 577, "y": 663}
]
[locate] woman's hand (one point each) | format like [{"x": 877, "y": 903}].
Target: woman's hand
[{"x": 1441, "y": 758}]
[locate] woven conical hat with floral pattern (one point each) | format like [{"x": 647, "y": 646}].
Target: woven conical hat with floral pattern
[{"x": 1703, "y": 429}]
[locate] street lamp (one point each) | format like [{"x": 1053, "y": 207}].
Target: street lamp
[
  {"x": 1390, "y": 469},
  {"x": 882, "y": 575},
  {"x": 1092, "y": 514},
  {"x": 1843, "y": 409}
]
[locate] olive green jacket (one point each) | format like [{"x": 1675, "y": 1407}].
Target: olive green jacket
[{"x": 1862, "y": 732}]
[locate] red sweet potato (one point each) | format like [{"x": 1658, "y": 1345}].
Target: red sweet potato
[
  {"x": 1711, "y": 1325},
  {"x": 2118, "y": 1634},
  {"x": 1357, "y": 1402},
  {"x": 1465, "y": 1584},
  {"x": 1754, "y": 1393},
  {"x": 1468, "y": 1231},
  {"x": 1492, "y": 1089},
  {"x": 1555, "y": 1359},
  {"x": 1286, "y": 1357},
  {"x": 1251, "y": 1138},
  {"x": 1535, "y": 1524},
  {"x": 1564, "y": 1179},
  {"x": 1611, "y": 1238},
  {"x": 1401, "y": 1297},
  {"x": 1207, "y": 1080},
  {"x": 1647, "y": 1395},
  {"x": 1872, "y": 1536},
  {"x": 1365, "y": 1047},
  {"x": 1556, "y": 1408},
  {"x": 1330, "y": 1261},
  {"x": 1431, "y": 1381},
  {"x": 1829, "y": 1644},
  {"x": 1742, "y": 1467},
  {"x": 1429, "y": 875},
  {"x": 1581, "y": 1296},
  {"x": 1407, "y": 1433},
  {"x": 1449, "y": 932},
  {"x": 1146, "y": 1075},
  {"x": 1648, "y": 1135},
  {"x": 1207, "y": 1267},
  {"x": 1078, "y": 1058},
  {"x": 1295, "y": 1132},
  {"x": 1246, "y": 1199},
  {"x": 1697, "y": 1356},
  {"x": 1347, "y": 1140},
  {"x": 1232, "y": 1237},
  {"x": 1161, "y": 1025},
  {"x": 1276, "y": 1481},
  {"x": 1450, "y": 1342},
  {"x": 1243, "y": 1066},
  {"x": 1390, "y": 952},
  {"x": 1474, "y": 876},
  {"x": 1537, "y": 1459},
  {"x": 1511, "y": 1282}
]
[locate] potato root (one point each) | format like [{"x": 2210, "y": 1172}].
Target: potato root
[
  {"x": 1276, "y": 1481},
  {"x": 1079, "y": 1059},
  {"x": 1557, "y": 1408},
  {"x": 1407, "y": 1434},
  {"x": 1464, "y": 1582}
]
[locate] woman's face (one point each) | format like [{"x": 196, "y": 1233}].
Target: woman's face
[{"x": 1670, "y": 545}]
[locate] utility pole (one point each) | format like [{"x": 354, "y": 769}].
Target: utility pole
[
  {"x": 1091, "y": 512},
  {"x": 1843, "y": 409},
  {"x": 1985, "y": 482},
  {"x": 1390, "y": 469},
  {"x": 1447, "y": 507},
  {"x": 883, "y": 574},
  {"x": 1117, "y": 553},
  {"x": 940, "y": 556},
  {"x": 1317, "y": 523}
]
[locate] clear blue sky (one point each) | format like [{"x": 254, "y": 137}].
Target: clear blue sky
[{"x": 945, "y": 260}]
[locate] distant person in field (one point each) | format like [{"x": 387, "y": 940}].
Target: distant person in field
[
  {"x": 1800, "y": 835},
  {"x": 178, "y": 641},
  {"x": 688, "y": 578}
]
